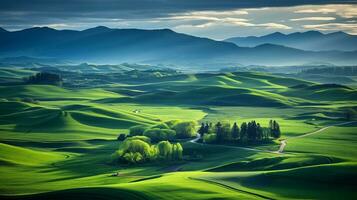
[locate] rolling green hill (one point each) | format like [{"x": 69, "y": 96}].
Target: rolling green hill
[{"x": 56, "y": 142}]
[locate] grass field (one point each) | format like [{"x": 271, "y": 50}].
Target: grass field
[{"x": 58, "y": 145}]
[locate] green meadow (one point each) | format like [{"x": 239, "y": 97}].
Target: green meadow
[{"x": 56, "y": 141}]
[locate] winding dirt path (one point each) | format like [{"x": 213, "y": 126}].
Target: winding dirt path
[{"x": 283, "y": 143}]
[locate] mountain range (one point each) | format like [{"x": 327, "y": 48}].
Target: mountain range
[
  {"x": 310, "y": 41},
  {"x": 161, "y": 46}
]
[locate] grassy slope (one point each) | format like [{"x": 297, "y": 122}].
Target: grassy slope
[
  {"x": 53, "y": 92},
  {"x": 13, "y": 155},
  {"x": 14, "y": 75},
  {"x": 245, "y": 89},
  {"x": 73, "y": 133},
  {"x": 318, "y": 162}
]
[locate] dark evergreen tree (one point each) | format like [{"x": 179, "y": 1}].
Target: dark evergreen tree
[
  {"x": 219, "y": 132},
  {"x": 243, "y": 132},
  {"x": 271, "y": 128},
  {"x": 201, "y": 131},
  {"x": 226, "y": 131},
  {"x": 207, "y": 128},
  {"x": 252, "y": 131},
  {"x": 121, "y": 137},
  {"x": 275, "y": 129},
  {"x": 235, "y": 131},
  {"x": 259, "y": 132},
  {"x": 266, "y": 133}
]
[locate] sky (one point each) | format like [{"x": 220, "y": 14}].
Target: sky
[{"x": 216, "y": 19}]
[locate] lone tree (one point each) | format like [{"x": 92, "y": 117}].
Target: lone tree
[
  {"x": 121, "y": 137},
  {"x": 202, "y": 130},
  {"x": 252, "y": 131},
  {"x": 207, "y": 128},
  {"x": 219, "y": 132},
  {"x": 243, "y": 131},
  {"x": 274, "y": 129},
  {"x": 235, "y": 131},
  {"x": 226, "y": 131},
  {"x": 260, "y": 134}
]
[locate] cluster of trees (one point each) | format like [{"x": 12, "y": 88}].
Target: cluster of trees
[
  {"x": 138, "y": 149},
  {"x": 44, "y": 78},
  {"x": 169, "y": 131},
  {"x": 251, "y": 132},
  {"x": 148, "y": 143}
]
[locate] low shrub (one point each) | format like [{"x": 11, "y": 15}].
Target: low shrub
[
  {"x": 140, "y": 137},
  {"x": 210, "y": 138},
  {"x": 137, "y": 130},
  {"x": 185, "y": 129},
  {"x": 121, "y": 137},
  {"x": 160, "y": 126},
  {"x": 156, "y": 134}
]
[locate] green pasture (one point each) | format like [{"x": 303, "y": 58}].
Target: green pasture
[{"x": 56, "y": 142}]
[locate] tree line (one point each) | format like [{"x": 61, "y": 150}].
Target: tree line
[
  {"x": 247, "y": 133},
  {"x": 138, "y": 149},
  {"x": 44, "y": 78}
]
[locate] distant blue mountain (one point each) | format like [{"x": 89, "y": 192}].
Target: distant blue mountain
[
  {"x": 163, "y": 46},
  {"x": 310, "y": 41},
  {"x": 2, "y": 30},
  {"x": 29, "y": 61}
]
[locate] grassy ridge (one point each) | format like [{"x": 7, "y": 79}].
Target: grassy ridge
[{"x": 13, "y": 155}]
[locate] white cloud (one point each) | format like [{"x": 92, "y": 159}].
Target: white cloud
[
  {"x": 345, "y": 11},
  {"x": 188, "y": 26},
  {"x": 222, "y": 18},
  {"x": 316, "y": 10},
  {"x": 219, "y": 13},
  {"x": 313, "y": 19},
  {"x": 256, "y": 9},
  {"x": 56, "y": 26},
  {"x": 242, "y": 24},
  {"x": 274, "y": 26},
  {"x": 207, "y": 15},
  {"x": 237, "y": 23}
]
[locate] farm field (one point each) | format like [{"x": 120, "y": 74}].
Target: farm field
[{"x": 56, "y": 141}]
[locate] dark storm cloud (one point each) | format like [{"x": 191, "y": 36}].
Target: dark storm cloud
[
  {"x": 39, "y": 10},
  {"x": 148, "y": 14}
]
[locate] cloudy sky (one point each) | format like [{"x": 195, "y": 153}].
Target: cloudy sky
[{"x": 217, "y": 19}]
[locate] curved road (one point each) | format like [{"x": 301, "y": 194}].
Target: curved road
[{"x": 283, "y": 143}]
